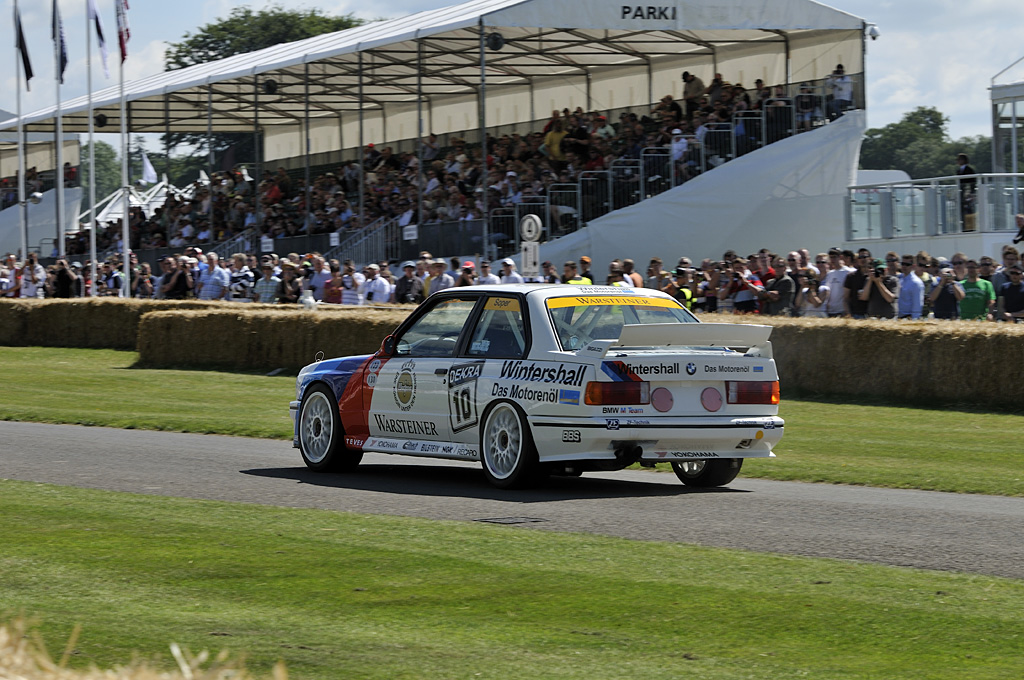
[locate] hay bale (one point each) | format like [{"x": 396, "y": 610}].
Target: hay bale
[{"x": 253, "y": 338}]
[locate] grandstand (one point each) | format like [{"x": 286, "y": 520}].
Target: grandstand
[{"x": 499, "y": 66}]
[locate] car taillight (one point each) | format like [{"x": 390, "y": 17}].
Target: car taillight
[
  {"x": 632, "y": 392},
  {"x": 752, "y": 392}
]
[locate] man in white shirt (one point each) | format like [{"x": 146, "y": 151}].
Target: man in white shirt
[
  {"x": 10, "y": 276},
  {"x": 486, "y": 277},
  {"x": 33, "y": 277},
  {"x": 509, "y": 273},
  {"x": 834, "y": 279},
  {"x": 376, "y": 289},
  {"x": 351, "y": 285}
]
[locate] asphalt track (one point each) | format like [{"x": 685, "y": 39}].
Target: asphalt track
[{"x": 953, "y": 532}]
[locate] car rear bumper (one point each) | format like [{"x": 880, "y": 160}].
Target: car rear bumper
[{"x": 662, "y": 439}]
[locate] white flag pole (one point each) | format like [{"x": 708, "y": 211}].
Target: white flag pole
[
  {"x": 59, "y": 132},
  {"x": 92, "y": 153},
  {"x": 125, "y": 236},
  {"x": 22, "y": 205}
]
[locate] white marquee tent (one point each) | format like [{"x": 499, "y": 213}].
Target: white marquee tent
[{"x": 378, "y": 81}]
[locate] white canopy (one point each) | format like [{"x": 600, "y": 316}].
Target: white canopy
[{"x": 616, "y": 54}]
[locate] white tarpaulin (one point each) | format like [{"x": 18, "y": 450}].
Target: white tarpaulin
[
  {"x": 785, "y": 196},
  {"x": 604, "y": 53}
]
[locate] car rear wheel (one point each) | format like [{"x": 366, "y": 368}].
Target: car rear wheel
[
  {"x": 707, "y": 473},
  {"x": 508, "y": 454},
  {"x": 321, "y": 438}
]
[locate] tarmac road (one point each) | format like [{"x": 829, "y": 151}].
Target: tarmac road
[{"x": 955, "y": 532}]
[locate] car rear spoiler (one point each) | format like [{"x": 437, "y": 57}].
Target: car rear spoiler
[{"x": 752, "y": 339}]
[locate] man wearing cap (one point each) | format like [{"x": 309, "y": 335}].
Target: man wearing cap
[
  {"x": 467, "y": 275},
  {"x": 408, "y": 288},
  {"x": 265, "y": 290},
  {"x": 376, "y": 289},
  {"x": 585, "y": 268},
  {"x": 570, "y": 271},
  {"x": 548, "y": 273},
  {"x": 509, "y": 273}
]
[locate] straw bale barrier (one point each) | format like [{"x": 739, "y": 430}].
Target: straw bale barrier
[
  {"x": 272, "y": 337},
  {"x": 941, "y": 361},
  {"x": 100, "y": 323}
]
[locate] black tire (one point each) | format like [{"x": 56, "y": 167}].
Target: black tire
[
  {"x": 707, "y": 473},
  {"x": 507, "y": 452},
  {"x": 321, "y": 437}
]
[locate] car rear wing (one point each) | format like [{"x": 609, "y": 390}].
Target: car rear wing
[{"x": 751, "y": 339}]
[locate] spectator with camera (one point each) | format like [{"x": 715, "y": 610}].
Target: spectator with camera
[
  {"x": 880, "y": 291},
  {"x": 409, "y": 287},
  {"x": 65, "y": 279},
  {"x": 376, "y": 289},
  {"x": 177, "y": 282},
  {"x": 854, "y": 282},
  {"x": 812, "y": 296},
  {"x": 289, "y": 289},
  {"x": 33, "y": 277},
  {"x": 351, "y": 284},
  {"x": 946, "y": 295},
  {"x": 741, "y": 287}
]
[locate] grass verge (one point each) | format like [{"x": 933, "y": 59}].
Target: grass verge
[
  {"x": 339, "y": 595},
  {"x": 943, "y": 449}
]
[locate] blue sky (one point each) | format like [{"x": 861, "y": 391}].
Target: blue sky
[{"x": 940, "y": 53}]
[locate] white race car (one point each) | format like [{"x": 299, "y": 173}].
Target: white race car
[{"x": 549, "y": 379}]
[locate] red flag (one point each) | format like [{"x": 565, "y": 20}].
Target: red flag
[{"x": 123, "y": 32}]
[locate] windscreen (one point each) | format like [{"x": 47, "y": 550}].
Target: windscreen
[{"x": 579, "y": 319}]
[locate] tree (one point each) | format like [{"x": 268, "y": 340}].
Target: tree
[
  {"x": 919, "y": 145},
  {"x": 244, "y": 30},
  {"x": 108, "y": 172}
]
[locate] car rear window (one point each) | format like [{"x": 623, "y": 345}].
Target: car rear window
[{"x": 579, "y": 319}]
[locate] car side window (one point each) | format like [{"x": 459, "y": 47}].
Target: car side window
[
  {"x": 499, "y": 332},
  {"x": 436, "y": 333}
]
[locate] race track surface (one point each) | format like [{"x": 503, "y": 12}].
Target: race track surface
[{"x": 930, "y": 530}]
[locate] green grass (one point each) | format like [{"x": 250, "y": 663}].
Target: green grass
[
  {"x": 944, "y": 449},
  {"x": 339, "y": 595}
]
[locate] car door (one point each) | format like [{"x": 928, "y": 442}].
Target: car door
[{"x": 409, "y": 405}]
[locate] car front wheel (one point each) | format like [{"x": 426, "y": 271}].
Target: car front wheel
[
  {"x": 707, "y": 473},
  {"x": 508, "y": 454},
  {"x": 321, "y": 438}
]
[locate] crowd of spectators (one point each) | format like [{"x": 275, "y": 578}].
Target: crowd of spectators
[
  {"x": 520, "y": 166},
  {"x": 837, "y": 283}
]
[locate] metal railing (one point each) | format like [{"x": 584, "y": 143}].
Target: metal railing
[{"x": 934, "y": 206}]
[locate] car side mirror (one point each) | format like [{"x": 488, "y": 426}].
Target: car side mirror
[{"x": 387, "y": 348}]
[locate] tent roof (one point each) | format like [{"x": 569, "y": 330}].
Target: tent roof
[{"x": 537, "y": 45}]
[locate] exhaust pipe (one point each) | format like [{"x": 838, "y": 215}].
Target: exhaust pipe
[{"x": 627, "y": 455}]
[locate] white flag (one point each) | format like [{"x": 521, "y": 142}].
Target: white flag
[
  {"x": 94, "y": 16},
  {"x": 148, "y": 172}
]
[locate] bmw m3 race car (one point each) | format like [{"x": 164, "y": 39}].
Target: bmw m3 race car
[{"x": 537, "y": 379}]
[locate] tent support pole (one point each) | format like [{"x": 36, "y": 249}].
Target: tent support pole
[
  {"x": 650, "y": 82},
  {"x": 483, "y": 137},
  {"x": 589, "y": 105},
  {"x": 209, "y": 141},
  {"x": 420, "y": 171},
  {"x": 306, "y": 194},
  {"x": 257, "y": 170},
  {"x": 167, "y": 136},
  {"x": 362, "y": 145},
  {"x": 533, "y": 108}
]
